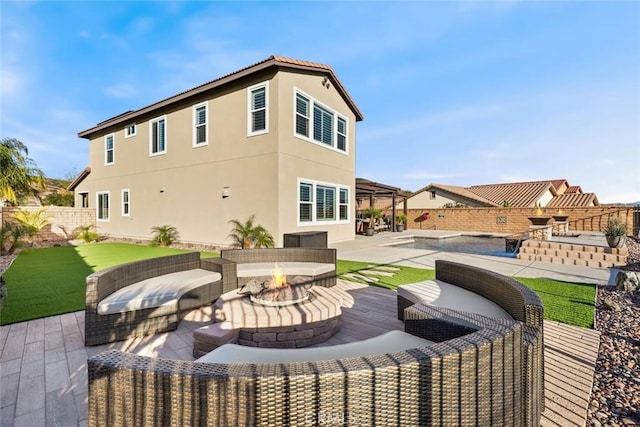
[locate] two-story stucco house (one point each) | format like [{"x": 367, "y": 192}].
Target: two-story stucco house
[{"x": 275, "y": 139}]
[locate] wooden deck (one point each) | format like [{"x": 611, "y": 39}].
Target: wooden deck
[{"x": 43, "y": 362}]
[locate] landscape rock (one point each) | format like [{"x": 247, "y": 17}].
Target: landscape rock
[{"x": 628, "y": 281}]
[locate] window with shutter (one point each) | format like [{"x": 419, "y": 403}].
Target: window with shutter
[
  {"x": 158, "y": 137},
  {"x": 325, "y": 127},
  {"x": 258, "y": 109},
  {"x": 125, "y": 202},
  {"x": 306, "y": 202},
  {"x": 200, "y": 124},
  {"x": 102, "y": 206},
  {"x": 108, "y": 149},
  {"x": 344, "y": 204},
  {"x": 322, "y": 203},
  {"x": 302, "y": 115}
]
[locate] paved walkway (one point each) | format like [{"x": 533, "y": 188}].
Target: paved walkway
[{"x": 43, "y": 379}]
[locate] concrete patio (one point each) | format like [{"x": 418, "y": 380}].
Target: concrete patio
[{"x": 43, "y": 378}]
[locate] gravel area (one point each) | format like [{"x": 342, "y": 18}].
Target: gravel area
[{"x": 615, "y": 397}]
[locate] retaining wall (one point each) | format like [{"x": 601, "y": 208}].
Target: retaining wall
[
  {"x": 516, "y": 220},
  {"x": 62, "y": 220}
]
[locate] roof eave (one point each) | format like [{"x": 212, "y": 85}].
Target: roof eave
[{"x": 253, "y": 69}]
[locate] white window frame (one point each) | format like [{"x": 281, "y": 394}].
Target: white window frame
[
  {"x": 166, "y": 138},
  {"x": 195, "y": 143},
  {"x": 106, "y": 149},
  {"x": 127, "y": 203},
  {"x": 250, "y": 110},
  {"x": 128, "y": 134},
  {"x": 98, "y": 210},
  {"x": 312, "y": 103},
  {"x": 314, "y": 203}
]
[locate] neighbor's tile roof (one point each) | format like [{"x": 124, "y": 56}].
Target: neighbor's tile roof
[
  {"x": 579, "y": 200},
  {"x": 557, "y": 183},
  {"x": 518, "y": 194},
  {"x": 573, "y": 189},
  {"x": 272, "y": 61},
  {"x": 458, "y": 191},
  {"x": 81, "y": 176}
]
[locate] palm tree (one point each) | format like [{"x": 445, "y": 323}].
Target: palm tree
[
  {"x": 164, "y": 235},
  {"x": 19, "y": 173},
  {"x": 245, "y": 233}
]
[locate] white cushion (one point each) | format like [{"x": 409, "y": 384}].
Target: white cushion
[
  {"x": 388, "y": 342},
  {"x": 446, "y": 295},
  {"x": 254, "y": 269},
  {"x": 156, "y": 291}
]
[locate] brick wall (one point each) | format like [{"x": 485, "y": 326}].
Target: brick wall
[
  {"x": 515, "y": 220},
  {"x": 59, "y": 218}
]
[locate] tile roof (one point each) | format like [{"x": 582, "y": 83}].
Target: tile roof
[
  {"x": 573, "y": 189},
  {"x": 518, "y": 194},
  {"x": 272, "y": 61},
  {"x": 579, "y": 200}
]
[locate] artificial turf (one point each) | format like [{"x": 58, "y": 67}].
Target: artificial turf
[
  {"x": 565, "y": 302},
  {"x": 48, "y": 281}
]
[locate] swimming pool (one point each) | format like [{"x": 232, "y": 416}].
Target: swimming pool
[{"x": 479, "y": 245}]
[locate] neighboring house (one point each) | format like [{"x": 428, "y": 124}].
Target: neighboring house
[
  {"x": 275, "y": 139},
  {"x": 552, "y": 193}
]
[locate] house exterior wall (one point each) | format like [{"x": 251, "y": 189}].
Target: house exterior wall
[
  {"x": 423, "y": 200},
  {"x": 545, "y": 198},
  {"x": 184, "y": 186}
]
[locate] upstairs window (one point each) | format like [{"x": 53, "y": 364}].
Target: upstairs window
[
  {"x": 318, "y": 123},
  {"x": 258, "y": 109},
  {"x": 200, "y": 125},
  {"x": 158, "y": 136},
  {"x": 302, "y": 115},
  {"x": 108, "y": 149},
  {"x": 130, "y": 131}
]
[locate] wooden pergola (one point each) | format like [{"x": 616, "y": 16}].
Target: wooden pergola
[{"x": 371, "y": 190}]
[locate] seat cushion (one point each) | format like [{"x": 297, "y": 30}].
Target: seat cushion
[
  {"x": 389, "y": 342},
  {"x": 256, "y": 269},
  {"x": 156, "y": 291},
  {"x": 446, "y": 295}
]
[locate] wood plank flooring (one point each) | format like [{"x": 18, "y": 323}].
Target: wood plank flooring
[{"x": 43, "y": 378}]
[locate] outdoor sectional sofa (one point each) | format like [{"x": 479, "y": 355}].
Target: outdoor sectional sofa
[
  {"x": 477, "y": 371},
  {"x": 149, "y": 296}
]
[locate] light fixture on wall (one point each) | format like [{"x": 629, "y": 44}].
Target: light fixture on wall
[
  {"x": 325, "y": 82},
  {"x": 162, "y": 190},
  {"x": 225, "y": 192}
]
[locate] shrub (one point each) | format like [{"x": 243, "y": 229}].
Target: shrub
[
  {"x": 32, "y": 221},
  {"x": 246, "y": 233},
  {"x": 615, "y": 228},
  {"x": 164, "y": 235},
  {"x": 11, "y": 235},
  {"x": 85, "y": 233}
]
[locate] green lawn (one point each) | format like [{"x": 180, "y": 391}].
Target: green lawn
[
  {"x": 572, "y": 303},
  {"x": 50, "y": 281}
]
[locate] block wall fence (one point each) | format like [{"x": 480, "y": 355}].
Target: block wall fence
[
  {"x": 515, "y": 220},
  {"x": 62, "y": 220}
]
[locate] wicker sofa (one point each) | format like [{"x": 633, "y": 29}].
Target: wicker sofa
[
  {"x": 474, "y": 377},
  {"x": 520, "y": 302},
  {"x": 246, "y": 264},
  {"x": 122, "y": 323}
]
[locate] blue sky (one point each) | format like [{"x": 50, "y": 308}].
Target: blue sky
[{"x": 458, "y": 93}]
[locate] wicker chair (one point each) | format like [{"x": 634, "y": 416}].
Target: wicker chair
[
  {"x": 307, "y": 255},
  {"x": 473, "y": 377},
  {"x": 105, "y": 328}
]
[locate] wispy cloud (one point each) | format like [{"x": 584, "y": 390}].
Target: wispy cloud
[{"x": 121, "y": 90}]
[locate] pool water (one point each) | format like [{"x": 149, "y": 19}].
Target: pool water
[{"x": 464, "y": 244}]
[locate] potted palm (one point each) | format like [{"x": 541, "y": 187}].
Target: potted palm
[
  {"x": 400, "y": 219},
  {"x": 373, "y": 214},
  {"x": 615, "y": 232}
]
